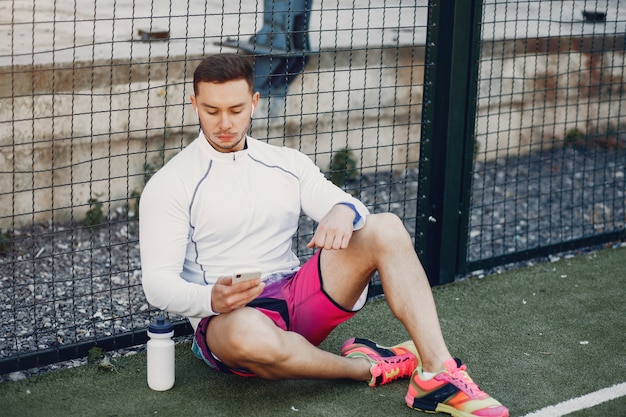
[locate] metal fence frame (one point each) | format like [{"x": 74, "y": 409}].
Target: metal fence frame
[{"x": 447, "y": 144}]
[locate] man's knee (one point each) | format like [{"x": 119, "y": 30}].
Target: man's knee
[
  {"x": 386, "y": 228},
  {"x": 250, "y": 335}
]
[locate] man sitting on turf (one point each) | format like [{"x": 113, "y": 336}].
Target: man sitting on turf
[{"x": 228, "y": 201}]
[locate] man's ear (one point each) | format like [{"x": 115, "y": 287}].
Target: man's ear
[{"x": 192, "y": 98}]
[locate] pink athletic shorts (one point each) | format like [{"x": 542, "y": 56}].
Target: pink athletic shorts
[{"x": 295, "y": 302}]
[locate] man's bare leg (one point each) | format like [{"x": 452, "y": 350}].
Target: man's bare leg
[
  {"x": 383, "y": 244},
  {"x": 246, "y": 338}
]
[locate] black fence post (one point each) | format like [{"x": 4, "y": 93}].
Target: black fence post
[{"x": 450, "y": 85}]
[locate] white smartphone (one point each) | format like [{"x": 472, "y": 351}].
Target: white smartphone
[{"x": 245, "y": 275}]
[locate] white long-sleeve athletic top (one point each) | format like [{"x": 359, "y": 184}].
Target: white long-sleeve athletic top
[{"x": 207, "y": 214}]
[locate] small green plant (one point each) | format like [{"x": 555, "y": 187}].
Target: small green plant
[
  {"x": 148, "y": 171},
  {"x": 476, "y": 148},
  {"x": 133, "y": 210},
  {"x": 343, "y": 167},
  {"x": 98, "y": 356},
  {"x": 105, "y": 365},
  {"x": 575, "y": 136},
  {"x": 6, "y": 243},
  {"x": 95, "y": 215},
  {"x": 95, "y": 354},
  {"x": 154, "y": 164}
]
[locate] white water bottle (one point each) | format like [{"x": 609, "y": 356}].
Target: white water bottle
[{"x": 161, "y": 358}]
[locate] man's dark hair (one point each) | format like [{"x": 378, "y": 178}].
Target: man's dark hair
[{"x": 221, "y": 68}]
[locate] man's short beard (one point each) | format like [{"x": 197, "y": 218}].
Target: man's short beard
[{"x": 217, "y": 145}]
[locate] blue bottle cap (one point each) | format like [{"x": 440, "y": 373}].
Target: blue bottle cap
[{"x": 161, "y": 325}]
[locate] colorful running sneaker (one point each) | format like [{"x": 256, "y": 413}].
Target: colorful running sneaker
[
  {"x": 388, "y": 363},
  {"x": 452, "y": 391}
]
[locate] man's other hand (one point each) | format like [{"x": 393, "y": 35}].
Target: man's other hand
[{"x": 335, "y": 229}]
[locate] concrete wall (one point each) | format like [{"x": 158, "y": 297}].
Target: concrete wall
[
  {"x": 68, "y": 134},
  {"x": 71, "y": 134},
  {"x": 533, "y": 91}
]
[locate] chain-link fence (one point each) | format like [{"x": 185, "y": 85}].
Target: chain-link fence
[
  {"x": 550, "y": 130},
  {"x": 523, "y": 145},
  {"x": 495, "y": 131}
]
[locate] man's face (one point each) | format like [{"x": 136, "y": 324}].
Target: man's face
[{"x": 224, "y": 112}]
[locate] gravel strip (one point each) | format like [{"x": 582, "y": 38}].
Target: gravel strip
[{"x": 62, "y": 284}]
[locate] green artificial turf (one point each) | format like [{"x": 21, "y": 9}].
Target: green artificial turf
[{"x": 531, "y": 337}]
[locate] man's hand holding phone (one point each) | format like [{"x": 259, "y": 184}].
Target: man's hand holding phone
[{"x": 231, "y": 293}]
